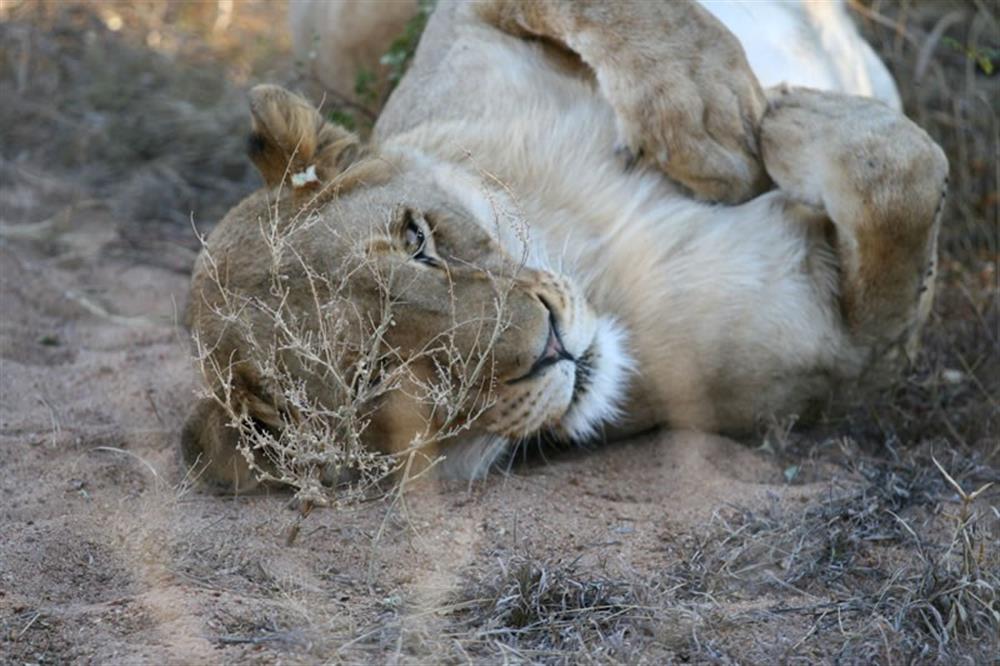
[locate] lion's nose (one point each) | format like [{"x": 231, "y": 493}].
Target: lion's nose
[{"x": 554, "y": 350}]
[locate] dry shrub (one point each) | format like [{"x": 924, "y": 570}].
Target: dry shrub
[
  {"x": 327, "y": 365},
  {"x": 160, "y": 137}
]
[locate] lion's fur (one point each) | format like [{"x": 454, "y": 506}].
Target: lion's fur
[{"x": 731, "y": 313}]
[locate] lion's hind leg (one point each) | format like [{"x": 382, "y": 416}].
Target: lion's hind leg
[{"x": 881, "y": 180}]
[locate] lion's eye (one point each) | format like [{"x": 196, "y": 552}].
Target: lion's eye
[{"x": 416, "y": 241}]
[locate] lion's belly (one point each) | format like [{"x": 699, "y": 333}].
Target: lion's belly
[
  {"x": 729, "y": 312},
  {"x": 730, "y": 309}
]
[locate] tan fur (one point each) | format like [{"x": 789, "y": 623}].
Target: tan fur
[{"x": 732, "y": 313}]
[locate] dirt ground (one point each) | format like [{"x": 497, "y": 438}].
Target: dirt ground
[{"x": 122, "y": 129}]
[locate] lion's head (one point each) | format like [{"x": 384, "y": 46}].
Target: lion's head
[{"x": 391, "y": 290}]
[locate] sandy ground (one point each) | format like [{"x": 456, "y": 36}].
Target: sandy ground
[
  {"x": 107, "y": 556},
  {"x": 110, "y": 554}
]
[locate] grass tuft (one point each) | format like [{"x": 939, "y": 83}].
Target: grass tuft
[{"x": 554, "y": 611}]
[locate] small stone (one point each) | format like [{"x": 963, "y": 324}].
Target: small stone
[
  {"x": 49, "y": 341},
  {"x": 952, "y": 376}
]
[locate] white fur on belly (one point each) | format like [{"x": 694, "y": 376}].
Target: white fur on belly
[{"x": 810, "y": 43}]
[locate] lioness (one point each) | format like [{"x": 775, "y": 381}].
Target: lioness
[{"x": 615, "y": 132}]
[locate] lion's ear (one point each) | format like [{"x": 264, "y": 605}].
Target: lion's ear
[{"x": 290, "y": 141}]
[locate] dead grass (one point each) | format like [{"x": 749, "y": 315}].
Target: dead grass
[
  {"x": 895, "y": 562},
  {"x": 538, "y": 610},
  {"x": 879, "y": 553}
]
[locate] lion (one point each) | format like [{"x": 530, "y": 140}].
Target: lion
[{"x": 672, "y": 243}]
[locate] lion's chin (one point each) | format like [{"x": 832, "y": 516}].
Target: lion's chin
[
  {"x": 601, "y": 376},
  {"x": 599, "y": 387}
]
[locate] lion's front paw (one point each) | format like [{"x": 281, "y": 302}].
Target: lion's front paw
[{"x": 698, "y": 123}]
